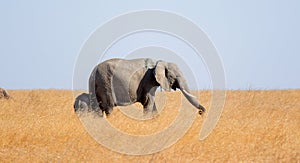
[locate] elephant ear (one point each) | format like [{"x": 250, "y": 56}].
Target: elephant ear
[{"x": 160, "y": 75}]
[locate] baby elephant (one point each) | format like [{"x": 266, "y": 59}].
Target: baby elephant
[{"x": 82, "y": 102}]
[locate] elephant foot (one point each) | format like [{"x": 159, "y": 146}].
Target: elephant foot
[
  {"x": 148, "y": 114},
  {"x": 108, "y": 111},
  {"x": 155, "y": 115},
  {"x": 98, "y": 113}
]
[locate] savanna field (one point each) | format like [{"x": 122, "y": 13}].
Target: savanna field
[{"x": 40, "y": 125}]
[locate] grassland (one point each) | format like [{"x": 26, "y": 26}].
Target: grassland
[{"x": 40, "y": 125}]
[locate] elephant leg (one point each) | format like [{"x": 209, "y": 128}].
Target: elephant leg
[
  {"x": 96, "y": 108},
  {"x": 96, "y": 104},
  {"x": 100, "y": 112},
  {"x": 149, "y": 106},
  {"x": 107, "y": 103},
  {"x": 154, "y": 110},
  {"x": 94, "y": 101},
  {"x": 152, "y": 99}
]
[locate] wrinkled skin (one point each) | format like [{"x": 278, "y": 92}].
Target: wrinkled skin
[{"x": 119, "y": 82}]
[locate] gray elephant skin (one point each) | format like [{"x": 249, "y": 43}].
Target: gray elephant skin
[
  {"x": 82, "y": 102},
  {"x": 120, "y": 82}
]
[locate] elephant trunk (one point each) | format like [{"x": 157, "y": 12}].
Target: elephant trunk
[{"x": 191, "y": 98}]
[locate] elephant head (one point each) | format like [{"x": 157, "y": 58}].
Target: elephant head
[
  {"x": 82, "y": 102},
  {"x": 169, "y": 76}
]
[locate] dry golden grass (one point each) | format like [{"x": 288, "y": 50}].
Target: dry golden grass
[{"x": 40, "y": 125}]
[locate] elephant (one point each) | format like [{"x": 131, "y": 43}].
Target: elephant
[
  {"x": 4, "y": 94},
  {"x": 121, "y": 82},
  {"x": 82, "y": 102}
]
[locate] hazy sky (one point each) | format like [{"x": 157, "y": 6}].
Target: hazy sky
[{"x": 258, "y": 41}]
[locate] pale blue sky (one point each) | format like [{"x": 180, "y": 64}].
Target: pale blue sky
[{"x": 258, "y": 41}]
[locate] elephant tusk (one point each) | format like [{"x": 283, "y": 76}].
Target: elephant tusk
[{"x": 187, "y": 93}]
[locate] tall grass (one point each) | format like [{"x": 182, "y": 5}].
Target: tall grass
[{"x": 40, "y": 125}]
